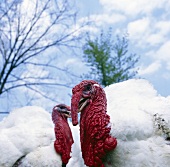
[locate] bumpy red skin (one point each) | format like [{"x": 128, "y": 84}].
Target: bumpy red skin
[
  {"x": 94, "y": 125},
  {"x": 64, "y": 139}
]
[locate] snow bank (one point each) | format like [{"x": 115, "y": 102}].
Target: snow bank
[
  {"x": 23, "y": 131},
  {"x": 131, "y": 106}
]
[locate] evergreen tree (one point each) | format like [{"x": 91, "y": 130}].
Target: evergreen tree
[{"x": 109, "y": 60}]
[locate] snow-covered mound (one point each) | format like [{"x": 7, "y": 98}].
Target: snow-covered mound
[
  {"x": 23, "y": 131},
  {"x": 131, "y": 106},
  {"x": 29, "y": 131},
  {"x": 42, "y": 157},
  {"x": 76, "y": 160}
]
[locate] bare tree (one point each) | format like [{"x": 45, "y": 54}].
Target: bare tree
[{"x": 28, "y": 29}]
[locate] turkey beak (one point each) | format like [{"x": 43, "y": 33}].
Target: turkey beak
[
  {"x": 66, "y": 112},
  {"x": 82, "y": 103}
]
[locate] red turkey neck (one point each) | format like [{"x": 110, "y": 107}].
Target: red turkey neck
[
  {"x": 89, "y": 98},
  {"x": 64, "y": 139},
  {"x": 59, "y": 117}
]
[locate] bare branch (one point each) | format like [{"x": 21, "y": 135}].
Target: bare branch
[
  {"x": 28, "y": 31},
  {"x": 42, "y": 94}
]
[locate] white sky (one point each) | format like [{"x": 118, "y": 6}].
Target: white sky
[{"x": 30, "y": 131}]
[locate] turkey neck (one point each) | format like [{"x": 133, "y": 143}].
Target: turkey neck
[
  {"x": 91, "y": 127},
  {"x": 96, "y": 107}
]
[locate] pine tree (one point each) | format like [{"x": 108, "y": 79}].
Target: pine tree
[{"x": 110, "y": 61}]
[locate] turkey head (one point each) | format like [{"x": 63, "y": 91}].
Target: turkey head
[
  {"x": 82, "y": 96},
  {"x": 90, "y": 100},
  {"x": 64, "y": 139},
  {"x": 62, "y": 111}
]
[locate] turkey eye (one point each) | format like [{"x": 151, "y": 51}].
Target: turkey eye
[
  {"x": 87, "y": 87},
  {"x": 61, "y": 106}
]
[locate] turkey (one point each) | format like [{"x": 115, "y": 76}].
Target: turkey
[
  {"x": 64, "y": 139},
  {"x": 90, "y": 99},
  {"x": 139, "y": 120}
]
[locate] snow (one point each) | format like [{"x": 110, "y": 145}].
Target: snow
[
  {"x": 131, "y": 106},
  {"x": 23, "y": 131},
  {"x": 29, "y": 131}
]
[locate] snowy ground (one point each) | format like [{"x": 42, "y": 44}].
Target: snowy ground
[{"x": 29, "y": 132}]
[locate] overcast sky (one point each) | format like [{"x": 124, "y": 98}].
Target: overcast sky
[{"x": 148, "y": 26}]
